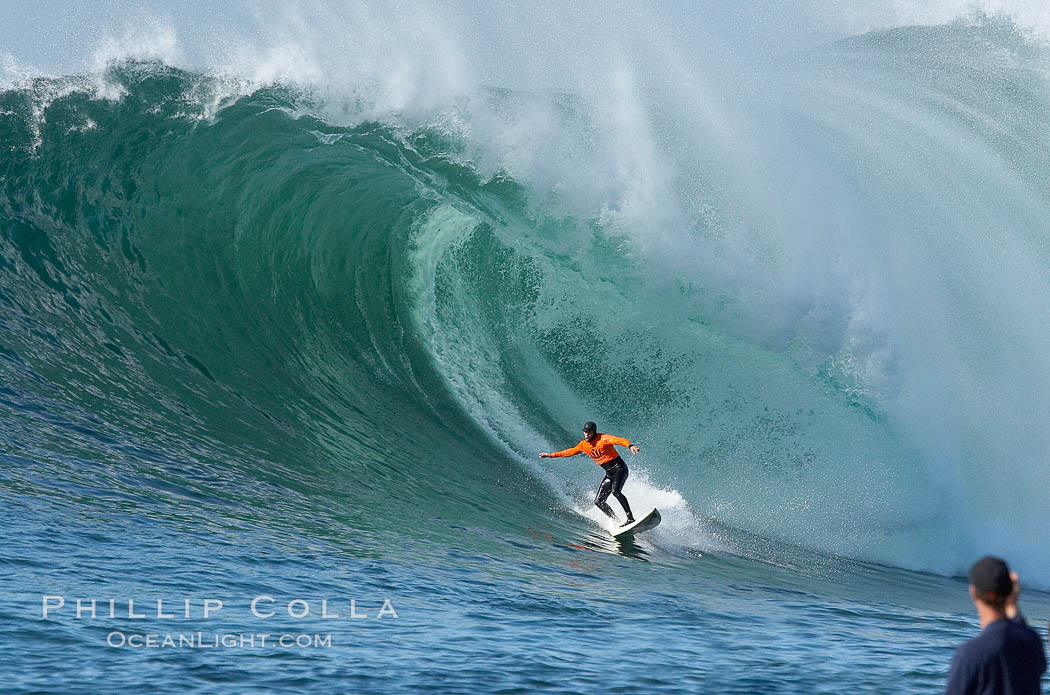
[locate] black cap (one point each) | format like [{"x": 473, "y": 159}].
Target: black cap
[
  {"x": 590, "y": 427},
  {"x": 990, "y": 575}
]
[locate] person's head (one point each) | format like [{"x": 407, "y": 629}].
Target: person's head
[
  {"x": 590, "y": 431},
  {"x": 990, "y": 581}
]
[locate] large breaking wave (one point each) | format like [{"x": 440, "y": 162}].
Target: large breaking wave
[{"x": 814, "y": 288}]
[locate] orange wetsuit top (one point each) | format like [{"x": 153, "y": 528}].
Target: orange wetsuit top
[{"x": 602, "y": 451}]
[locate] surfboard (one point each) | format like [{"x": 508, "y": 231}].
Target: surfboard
[{"x": 644, "y": 523}]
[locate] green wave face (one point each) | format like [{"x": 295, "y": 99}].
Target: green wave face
[{"x": 229, "y": 292}]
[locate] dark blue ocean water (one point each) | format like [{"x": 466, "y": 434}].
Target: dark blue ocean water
[{"x": 555, "y": 607}]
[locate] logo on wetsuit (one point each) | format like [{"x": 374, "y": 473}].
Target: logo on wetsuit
[{"x": 600, "y": 450}]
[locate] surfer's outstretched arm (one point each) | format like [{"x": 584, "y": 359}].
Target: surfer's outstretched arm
[
  {"x": 620, "y": 441},
  {"x": 562, "y": 454}
]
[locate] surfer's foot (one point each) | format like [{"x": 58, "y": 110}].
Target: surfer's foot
[{"x": 629, "y": 521}]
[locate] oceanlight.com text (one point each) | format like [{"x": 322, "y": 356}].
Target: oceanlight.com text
[{"x": 203, "y": 640}]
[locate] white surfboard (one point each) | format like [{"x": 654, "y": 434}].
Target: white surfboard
[{"x": 643, "y": 523}]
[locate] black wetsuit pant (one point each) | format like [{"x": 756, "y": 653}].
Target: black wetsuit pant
[{"x": 615, "y": 477}]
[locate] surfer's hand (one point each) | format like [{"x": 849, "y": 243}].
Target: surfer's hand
[
  {"x": 545, "y": 455},
  {"x": 634, "y": 449}
]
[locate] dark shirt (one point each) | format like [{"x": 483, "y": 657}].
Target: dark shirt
[{"x": 1007, "y": 658}]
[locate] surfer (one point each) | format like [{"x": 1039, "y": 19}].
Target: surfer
[{"x": 600, "y": 447}]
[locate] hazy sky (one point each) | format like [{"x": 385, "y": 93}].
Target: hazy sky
[{"x": 503, "y": 40}]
